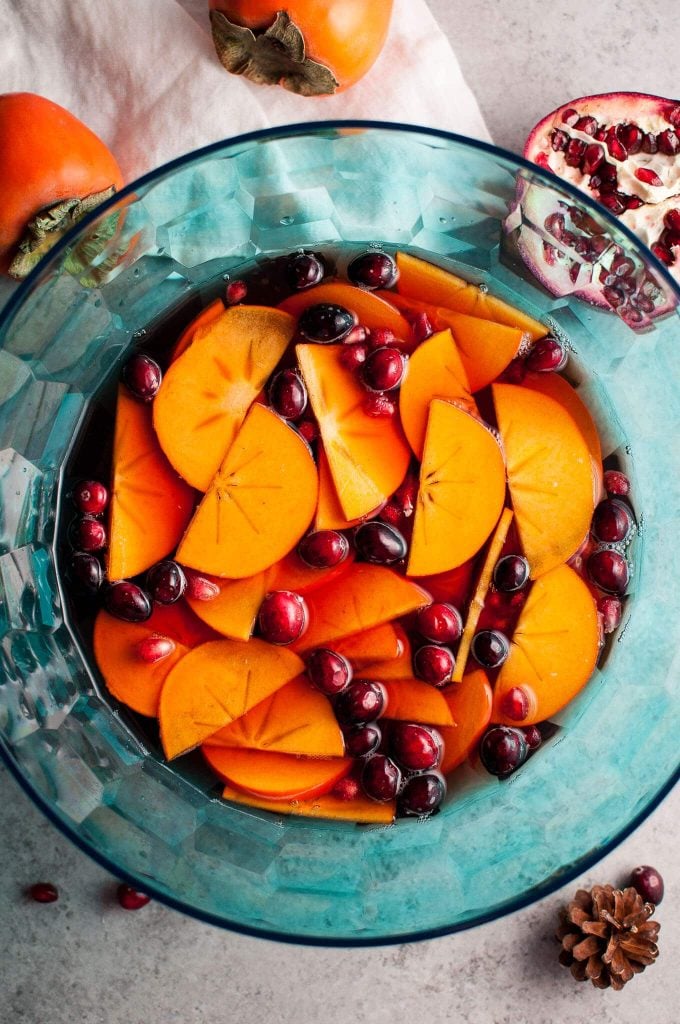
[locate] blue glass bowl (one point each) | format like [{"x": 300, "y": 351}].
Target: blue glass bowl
[{"x": 164, "y": 245}]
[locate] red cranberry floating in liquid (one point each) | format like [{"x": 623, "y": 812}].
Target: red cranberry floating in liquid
[
  {"x": 490, "y": 648},
  {"x": 86, "y": 572},
  {"x": 353, "y": 355},
  {"x": 90, "y": 497},
  {"x": 358, "y": 335},
  {"x": 381, "y": 337},
  {"x": 612, "y": 521},
  {"x": 325, "y": 322},
  {"x": 132, "y": 899},
  {"x": 417, "y": 748},
  {"x": 384, "y": 369},
  {"x": 288, "y": 394},
  {"x": 648, "y": 882},
  {"x": 503, "y": 749},
  {"x": 379, "y": 406},
  {"x": 421, "y": 327},
  {"x": 363, "y": 701},
  {"x": 616, "y": 483},
  {"x": 379, "y": 543},
  {"x": 516, "y": 704},
  {"x": 44, "y": 892},
  {"x": 381, "y": 778},
  {"x": 532, "y": 734},
  {"x": 323, "y": 549},
  {"x": 346, "y": 789},
  {"x": 608, "y": 570},
  {"x": 88, "y": 534},
  {"x": 440, "y": 623},
  {"x": 304, "y": 270},
  {"x": 236, "y": 292},
  {"x": 142, "y": 377},
  {"x": 511, "y": 573},
  {"x": 283, "y": 617},
  {"x": 434, "y": 664},
  {"x": 127, "y": 601},
  {"x": 328, "y": 671},
  {"x": 308, "y": 430},
  {"x": 546, "y": 355},
  {"x": 611, "y": 609},
  {"x": 200, "y": 588},
  {"x": 422, "y": 794},
  {"x": 362, "y": 740},
  {"x": 373, "y": 269},
  {"x": 166, "y": 582}
]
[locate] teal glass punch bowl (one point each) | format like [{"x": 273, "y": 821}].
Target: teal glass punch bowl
[{"x": 162, "y": 248}]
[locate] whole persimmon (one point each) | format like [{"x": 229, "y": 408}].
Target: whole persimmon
[
  {"x": 313, "y": 47},
  {"x": 53, "y": 169}
]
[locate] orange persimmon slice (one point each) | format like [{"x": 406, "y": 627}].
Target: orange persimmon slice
[
  {"x": 360, "y": 809},
  {"x": 208, "y": 390},
  {"x": 381, "y": 643},
  {"x": 205, "y": 317},
  {"x": 461, "y": 490},
  {"x": 259, "y": 504},
  {"x": 214, "y": 684},
  {"x": 469, "y": 702},
  {"x": 291, "y": 573},
  {"x": 232, "y": 612},
  {"x": 329, "y": 514},
  {"x": 371, "y": 310},
  {"x": 452, "y": 586},
  {"x": 274, "y": 776},
  {"x": 400, "y": 667},
  {"x": 411, "y": 700},
  {"x": 150, "y": 504}
]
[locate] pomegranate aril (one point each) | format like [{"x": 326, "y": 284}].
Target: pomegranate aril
[
  {"x": 440, "y": 623},
  {"x": 85, "y": 571},
  {"x": 379, "y": 543},
  {"x": 88, "y": 534},
  {"x": 608, "y": 570},
  {"x": 384, "y": 369},
  {"x": 288, "y": 394},
  {"x": 127, "y": 601},
  {"x": 549, "y": 254},
  {"x": 381, "y": 337},
  {"x": 622, "y": 266},
  {"x": 90, "y": 497},
  {"x": 503, "y": 750},
  {"x": 516, "y": 704},
  {"x": 328, "y": 671},
  {"x": 363, "y": 701},
  {"x": 199, "y": 588},
  {"x": 559, "y": 140},
  {"x": 612, "y": 521},
  {"x": 633, "y": 203},
  {"x": 490, "y": 648},
  {"x": 615, "y": 202},
  {"x": 610, "y": 609},
  {"x": 323, "y": 549},
  {"x": 379, "y": 406},
  {"x": 155, "y": 648},
  {"x": 354, "y": 355},
  {"x": 586, "y": 124},
  {"x": 648, "y": 176},
  {"x": 616, "y": 482},
  {"x": 434, "y": 664},
  {"x": 283, "y": 617},
  {"x": 592, "y": 158},
  {"x": 631, "y": 136},
  {"x": 166, "y": 582},
  {"x": 236, "y": 292},
  {"x": 555, "y": 225},
  {"x": 373, "y": 270},
  {"x": 546, "y": 355},
  {"x": 309, "y": 430},
  {"x": 304, "y": 270},
  {"x": 570, "y": 116},
  {"x": 615, "y": 146},
  {"x": 417, "y": 748},
  {"x": 663, "y": 253},
  {"x": 532, "y": 734},
  {"x": 406, "y": 495},
  {"x": 421, "y": 327},
  {"x": 668, "y": 142},
  {"x": 325, "y": 322},
  {"x": 132, "y": 899},
  {"x": 362, "y": 740},
  {"x": 422, "y": 794},
  {"x": 672, "y": 220},
  {"x": 614, "y": 296},
  {"x": 574, "y": 152},
  {"x": 381, "y": 778},
  {"x": 674, "y": 117},
  {"x": 43, "y": 892},
  {"x": 648, "y": 883},
  {"x": 346, "y": 789},
  {"x": 392, "y": 515},
  {"x": 142, "y": 377},
  {"x": 650, "y": 144},
  {"x": 511, "y": 573}
]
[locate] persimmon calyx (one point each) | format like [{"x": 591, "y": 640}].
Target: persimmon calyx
[
  {"x": 48, "y": 226},
  {"x": 274, "y": 57}
]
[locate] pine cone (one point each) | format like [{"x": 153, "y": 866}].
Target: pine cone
[{"x": 607, "y": 936}]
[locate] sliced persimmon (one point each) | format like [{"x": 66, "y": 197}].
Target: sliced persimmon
[
  {"x": 259, "y": 504},
  {"x": 411, "y": 700},
  {"x": 371, "y": 310},
  {"x": 369, "y": 596},
  {"x": 208, "y": 390},
  {"x": 296, "y": 719},
  {"x": 128, "y": 677},
  {"x": 549, "y": 474},
  {"x": 452, "y": 586},
  {"x": 469, "y": 702},
  {"x": 382, "y": 643},
  {"x": 360, "y": 809},
  {"x": 329, "y": 514},
  {"x": 150, "y": 505},
  {"x": 214, "y": 684},
  {"x": 291, "y": 573},
  {"x": 368, "y": 457},
  {"x": 400, "y": 667},
  {"x": 435, "y": 370},
  {"x": 205, "y": 317},
  {"x": 274, "y": 776},
  {"x": 554, "y": 648},
  {"x": 461, "y": 490},
  {"x": 428, "y": 283},
  {"x": 233, "y": 611}
]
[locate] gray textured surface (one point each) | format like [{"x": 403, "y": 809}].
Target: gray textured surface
[{"x": 85, "y": 960}]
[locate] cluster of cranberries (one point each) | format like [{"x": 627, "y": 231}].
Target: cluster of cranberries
[{"x": 612, "y": 528}]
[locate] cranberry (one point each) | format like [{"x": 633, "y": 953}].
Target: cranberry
[
  {"x": 511, "y": 573},
  {"x": 127, "y": 601},
  {"x": 612, "y": 521},
  {"x": 308, "y": 430},
  {"x": 434, "y": 664},
  {"x": 346, "y": 789},
  {"x": 421, "y": 327},
  {"x": 362, "y": 740},
  {"x": 546, "y": 355},
  {"x": 86, "y": 572},
  {"x": 381, "y": 778},
  {"x": 283, "y": 617},
  {"x": 166, "y": 582},
  {"x": 132, "y": 899},
  {"x": 379, "y": 543},
  {"x": 363, "y": 701},
  {"x": 532, "y": 734},
  {"x": 379, "y": 406},
  {"x": 304, "y": 270},
  {"x": 328, "y": 671},
  {"x": 44, "y": 892},
  {"x": 417, "y": 748},
  {"x": 358, "y": 335},
  {"x": 142, "y": 377},
  {"x": 490, "y": 648},
  {"x": 381, "y": 337},
  {"x": 288, "y": 394},
  {"x": 648, "y": 882},
  {"x": 155, "y": 648},
  {"x": 611, "y": 609},
  {"x": 392, "y": 515},
  {"x": 503, "y": 749},
  {"x": 323, "y": 549},
  {"x": 88, "y": 534},
  {"x": 199, "y": 588},
  {"x": 325, "y": 322},
  {"x": 440, "y": 623},
  {"x": 90, "y": 497},
  {"x": 384, "y": 369},
  {"x": 422, "y": 794},
  {"x": 516, "y": 704},
  {"x": 608, "y": 570},
  {"x": 406, "y": 495},
  {"x": 616, "y": 483},
  {"x": 373, "y": 270},
  {"x": 236, "y": 292},
  {"x": 353, "y": 355}
]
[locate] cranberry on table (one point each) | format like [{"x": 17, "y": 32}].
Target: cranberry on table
[
  {"x": 154, "y": 648},
  {"x": 379, "y": 543},
  {"x": 383, "y": 369},
  {"x": 362, "y": 740},
  {"x": 43, "y": 892},
  {"x": 379, "y": 406},
  {"x": 304, "y": 269},
  {"x": 325, "y": 322},
  {"x": 648, "y": 882},
  {"x": 608, "y": 570},
  {"x": 90, "y": 497},
  {"x": 417, "y": 748},
  {"x": 516, "y": 703},
  {"x": 616, "y": 483},
  {"x": 88, "y": 534},
  {"x": 142, "y": 377},
  {"x": 86, "y": 572},
  {"x": 422, "y": 794},
  {"x": 612, "y": 521},
  {"x": 328, "y": 671},
  {"x": 490, "y": 648},
  {"x": 127, "y": 601},
  {"x": 373, "y": 269},
  {"x": 166, "y": 582},
  {"x": 547, "y": 356},
  {"x": 511, "y": 573},
  {"x": 130, "y": 898},
  {"x": 440, "y": 623},
  {"x": 283, "y": 617},
  {"x": 434, "y": 664},
  {"x": 288, "y": 394},
  {"x": 611, "y": 610},
  {"x": 503, "y": 749},
  {"x": 363, "y": 701},
  {"x": 381, "y": 778},
  {"x": 323, "y": 549}
]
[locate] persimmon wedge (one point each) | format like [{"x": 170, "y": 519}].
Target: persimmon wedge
[
  {"x": 549, "y": 474},
  {"x": 205, "y": 317},
  {"x": 259, "y": 504},
  {"x": 232, "y": 612},
  {"x": 554, "y": 648},
  {"x": 469, "y": 702},
  {"x": 208, "y": 390},
  {"x": 461, "y": 490},
  {"x": 371, "y": 310},
  {"x": 360, "y": 809},
  {"x": 411, "y": 700},
  {"x": 368, "y": 457},
  {"x": 214, "y": 684},
  {"x": 329, "y": 514},
  {"x": 150, "y": 504},
  {"x": 382, "y": 643},
  {"x": 274, "y": 776}
]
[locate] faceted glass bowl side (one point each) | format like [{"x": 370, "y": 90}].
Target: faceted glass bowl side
[{"x": 495, "y": 845}]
